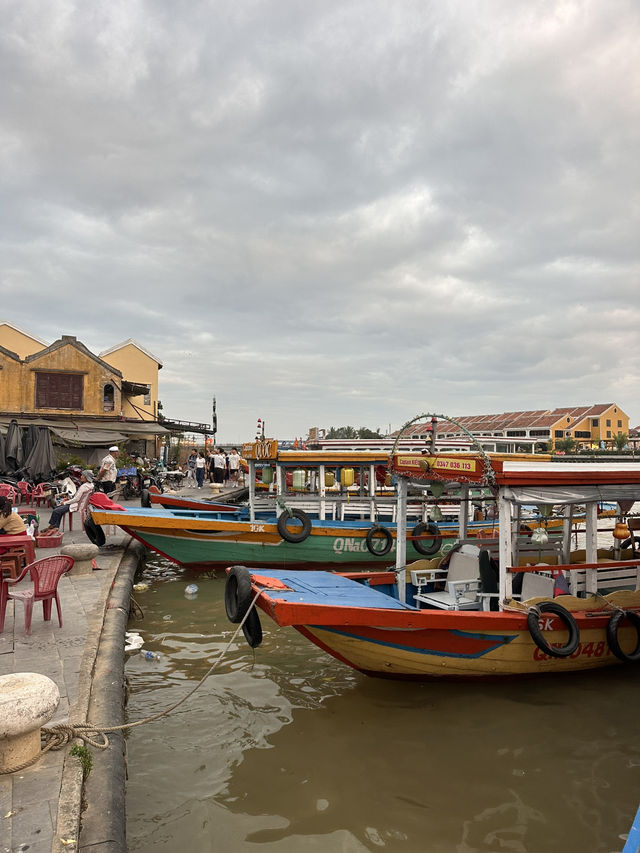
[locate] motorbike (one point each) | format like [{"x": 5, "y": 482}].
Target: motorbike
[{"x": 135, "y": 480}]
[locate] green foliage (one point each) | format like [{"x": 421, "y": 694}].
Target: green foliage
[
  {"x": 620, "y": 440},
  {"x": 86, "y": 759},
  {"x": 71, "y": 459},
  {"x": 350, "y": 432},
  {"x": 566, "y": 445}
]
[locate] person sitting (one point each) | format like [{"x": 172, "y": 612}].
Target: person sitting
[
  {"x": 70, "y": 504},
  {"x": 10, "y": 522}
]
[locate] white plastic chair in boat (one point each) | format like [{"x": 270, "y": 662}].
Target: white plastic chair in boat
[{"x": 461, "y": 579}]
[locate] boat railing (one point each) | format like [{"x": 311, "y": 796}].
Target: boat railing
[{"x": 592, "y": 577}]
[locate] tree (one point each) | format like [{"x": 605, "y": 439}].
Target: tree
[
  {"x": 350, "y": 432},
  {"x": 566, "y": 445},
  {"x": 620, "y": 440}
]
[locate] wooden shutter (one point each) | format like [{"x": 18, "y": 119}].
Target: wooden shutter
[{"x": 60, "y": 391}]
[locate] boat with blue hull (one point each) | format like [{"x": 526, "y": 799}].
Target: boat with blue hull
[{"x": 491, "y": 608}]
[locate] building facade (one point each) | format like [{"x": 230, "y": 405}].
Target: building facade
[{"x": 86, "y": 399}]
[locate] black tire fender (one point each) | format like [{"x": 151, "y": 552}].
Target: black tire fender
[
  {"x": 145, "y": 498},
  {"x": 237, "y": 593},
  {"x": 627, "y": 543},
  {"x": 294, "y": 535},
  {"x": 613, "y": 626},
  {"x": 431, "y": 547},
  {"x": 94, "y": 532},
  {"x": 372, "y": 534},
  {"x": 252, "y": 629},
  {"x": 537, "y": 636}
]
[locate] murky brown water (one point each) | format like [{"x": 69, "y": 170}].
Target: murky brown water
[{"x": 291, "y": 751}]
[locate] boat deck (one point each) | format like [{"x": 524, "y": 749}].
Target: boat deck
[{"x": 322, "y": 588}]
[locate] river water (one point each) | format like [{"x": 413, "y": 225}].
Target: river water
[{"x": 287, "y": 750}]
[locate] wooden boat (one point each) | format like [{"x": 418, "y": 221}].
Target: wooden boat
[
  {"x": 461, "y": 617},
  {"x": 338, "y": 513},
  {"x": 168, "y": 501}
]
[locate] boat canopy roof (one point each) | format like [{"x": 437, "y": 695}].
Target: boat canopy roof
[{"x": 524, "y": 480}]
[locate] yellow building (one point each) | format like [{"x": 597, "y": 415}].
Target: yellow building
[
  {"x": 84, "y": 398},
  {"x": 19, "y": 342},
  {"x": 141, "y": 369}
]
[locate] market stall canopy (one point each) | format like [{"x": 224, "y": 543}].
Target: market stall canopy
[{"x": 100, "y": 437}]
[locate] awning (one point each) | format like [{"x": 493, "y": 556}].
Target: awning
[
  {"x": 88, "y": 436},
  {"x": 94, "y": 431},
  {"x": 135, "y": 389}
]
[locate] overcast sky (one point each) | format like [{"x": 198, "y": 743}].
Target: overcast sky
[{"x": 330, "y": 212}]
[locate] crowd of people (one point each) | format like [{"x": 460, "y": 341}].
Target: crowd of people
[{"x": 217, "y": 467}]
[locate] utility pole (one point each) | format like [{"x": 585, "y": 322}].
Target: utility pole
[{"x": 214, "y": 421}]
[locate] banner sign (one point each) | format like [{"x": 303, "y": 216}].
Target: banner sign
[
  {"x": 266, "y": 448},
  {"x": 451, "y": 467}
]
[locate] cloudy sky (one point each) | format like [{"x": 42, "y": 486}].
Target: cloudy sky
[{"x": 330, "y": 212}]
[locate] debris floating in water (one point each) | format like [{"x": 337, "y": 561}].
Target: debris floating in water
[{"x": 191, "y": 589}]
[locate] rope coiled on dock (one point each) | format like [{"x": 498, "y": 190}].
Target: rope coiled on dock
[{"x": 58, "y": 736}]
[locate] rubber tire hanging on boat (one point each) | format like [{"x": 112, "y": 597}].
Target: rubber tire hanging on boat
[
  {"x": 252, "y": 629},
  {"x": 94, "y": 532},
  {"x": 237, "y": 593},
  {"x": 145, "y": 498},
  {"x": 373, "y": 534},
  {"x": 613, "y": 626},
  {"x": 293, "y": 536},
  {"x": 537, "y": 636},
  {"x": 433, "y": 546}
]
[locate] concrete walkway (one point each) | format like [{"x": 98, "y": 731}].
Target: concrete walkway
[
  {"x": 29, "y": 799},
  {"x": 40, "y": 807}
]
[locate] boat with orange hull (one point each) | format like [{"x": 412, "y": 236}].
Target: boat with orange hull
[{"x": 491, "y": 608}]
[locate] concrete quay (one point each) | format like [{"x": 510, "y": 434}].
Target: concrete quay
[{"x": 47, "y": 807}]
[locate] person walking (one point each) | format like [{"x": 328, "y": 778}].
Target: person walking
[
  {"x": 200, "y": 465},
  {"x": 234, "y": 466},
  {"x": 191, "y": 468},
  {"x": 109, "y": 470},
  {"x": 70, "y": 504}
]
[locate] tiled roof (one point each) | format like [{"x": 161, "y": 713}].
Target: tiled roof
[{"x": 533, "y": 419}]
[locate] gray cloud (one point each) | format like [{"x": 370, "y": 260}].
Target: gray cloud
[{"x": 329, "y": 213}]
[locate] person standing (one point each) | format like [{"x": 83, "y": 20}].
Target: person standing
[
  {"x": 200, "y": 463},
  {"x": 109, "y": 470},
  {"x": 234, "y": 466},
  {"x": 71, "y": 504},
  {"x": 219, "y": 465}
]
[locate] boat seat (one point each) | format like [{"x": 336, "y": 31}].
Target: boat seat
[{"x": 461, "y": 578}]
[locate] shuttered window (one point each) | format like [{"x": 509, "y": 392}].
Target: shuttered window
[{"x": 59, "y": 391}]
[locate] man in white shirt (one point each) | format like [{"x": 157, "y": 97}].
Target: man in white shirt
[
  {"x": 218, "y": 466},
  {"x": 109, "y": 470}
]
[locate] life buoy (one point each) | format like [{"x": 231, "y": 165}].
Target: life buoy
[
  {"x": 536, "y": 633},
  {"x": 613, "y": 626},
  {"x": 627, "y": 542},
  {"x": 237, "y": 593},
  {"x": 373, "y": 534},
  {"x": 431, "y": 546},
  {"x": 252, "y": 629},
  {"x": 145, "y": 498},
  {"x": 94, "y": 532},
  {"x": 299, "y": 534}
]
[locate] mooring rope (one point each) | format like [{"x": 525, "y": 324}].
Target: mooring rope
[{"x": 58, "y": 736}]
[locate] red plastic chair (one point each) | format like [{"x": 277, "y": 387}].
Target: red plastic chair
[
  {"x": 41, "y": 492},
  {"x": 45, "y": 575},
  {"x": 25, "y": 490},
  {"x": 7, "y": 491}
]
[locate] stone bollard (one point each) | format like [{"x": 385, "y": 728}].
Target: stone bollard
[
  {"x": 83, "y": 553},
  {"x": 28, "y": 700}
]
